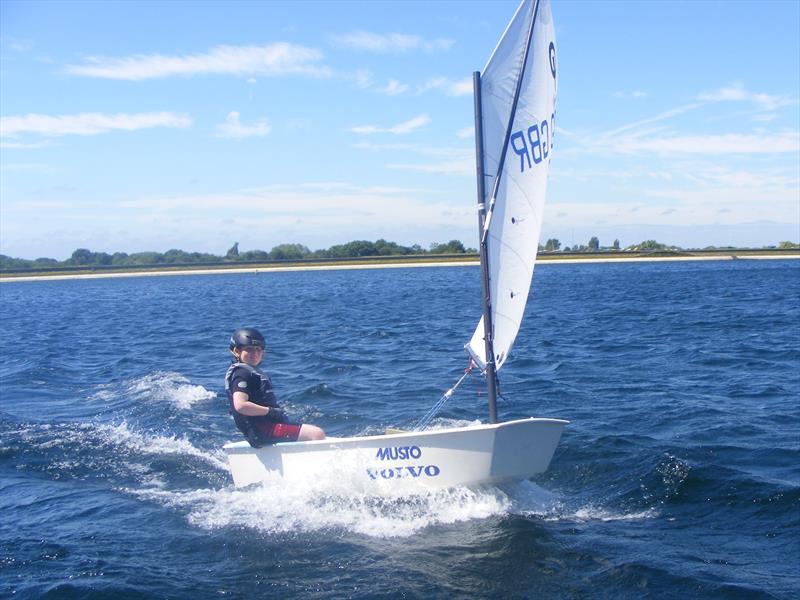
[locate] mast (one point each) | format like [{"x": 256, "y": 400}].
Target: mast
[{"x": 491, "y": 373}]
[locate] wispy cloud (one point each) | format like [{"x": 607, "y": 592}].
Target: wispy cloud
[
  {"x": 387, "y": 43},
  {"x": 636, "y": 94},
  {"x": 319, "y": 208},
  {"x": 399, "y": 129},
  {"x": 393, "y": 88},
  {"x": 657, "y": 135},
  {"x": 446, "y": 160},
  {"x": 17, "y": 44},
  {"x": 278, "y": 58},
  {"x": 317, "y": 214},
  {"x": 738, "y": 93},
  {"x": 699, "y": 207},
  {"x": 668, "y": 114},
  {"x": 25, "y": 145},
  {"x": 466, "y": 133},
  {"x": 234, "y": 128},
  {"x": 364, "y": 80},
  {"x": 732, "y": 143},
  {"x": 87, "y": 123},
  {"x": 421, "y": 149},
  {"x": 26, "y": 168},
  {"x": 703, "y": 174},
  {"x": 462, "y": 87},
  {"x": 464, "y": 166}
]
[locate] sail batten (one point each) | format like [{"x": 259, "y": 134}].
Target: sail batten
[{"x": 518, "y": 89}]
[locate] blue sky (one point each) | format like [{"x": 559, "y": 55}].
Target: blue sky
[{"x": 152, "y": 125}]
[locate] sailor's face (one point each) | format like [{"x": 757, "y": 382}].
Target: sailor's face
[{"x": 251, "y": 355}]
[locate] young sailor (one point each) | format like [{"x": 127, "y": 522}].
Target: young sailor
[{"x": 253, "y": 404}]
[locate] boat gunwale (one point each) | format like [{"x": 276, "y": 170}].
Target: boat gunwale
[{"x": 243, "y": 447}]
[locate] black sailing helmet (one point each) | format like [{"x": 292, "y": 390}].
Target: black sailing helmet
[{"x": 246, "y": 336}]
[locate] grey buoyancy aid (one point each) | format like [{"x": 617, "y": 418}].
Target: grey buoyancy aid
[{"x": 264, "y": 396}]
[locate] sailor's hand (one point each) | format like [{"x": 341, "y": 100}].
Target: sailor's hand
[{"x": 275, "y": 414}]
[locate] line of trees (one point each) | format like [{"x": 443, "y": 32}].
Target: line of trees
[
  {"x": 554, "y": 245},
  {"x": 359, "y": 248},
  {"x": 84, "y": 257}
]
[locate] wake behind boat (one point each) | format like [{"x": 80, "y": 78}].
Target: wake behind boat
[{"x": 515, "y": 101}]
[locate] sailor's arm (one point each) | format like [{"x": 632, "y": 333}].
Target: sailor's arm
[{"x": 242, "y": 405}]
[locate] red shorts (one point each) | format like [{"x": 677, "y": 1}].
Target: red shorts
[{"x": 271, "y": 432}]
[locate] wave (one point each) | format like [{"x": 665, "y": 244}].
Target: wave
[
  {"x": 104, "y": 451},
  {"x": 160, "y": 386},
  {"x": 278, "y": 507},
  {"x": 533, "y": 501}
]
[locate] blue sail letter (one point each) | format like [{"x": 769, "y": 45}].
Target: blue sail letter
[{"x": 521, "y": 152}]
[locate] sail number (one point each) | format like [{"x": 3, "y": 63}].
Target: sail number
[{"x": 534, "y": 144}]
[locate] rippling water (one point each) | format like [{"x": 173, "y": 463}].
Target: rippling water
[{"x": 679, "y": 475}]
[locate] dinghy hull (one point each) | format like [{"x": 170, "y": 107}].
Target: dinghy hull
[{"x": 402, "y": 462}]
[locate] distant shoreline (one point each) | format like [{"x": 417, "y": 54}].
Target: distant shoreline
[{"x": 388, "y": 264}]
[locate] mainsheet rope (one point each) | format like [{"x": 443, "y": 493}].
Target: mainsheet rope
[{"x": 424, "y": 421}]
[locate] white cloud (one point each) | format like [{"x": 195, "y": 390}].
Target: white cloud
[
  {"x": 442, "y": 151},
  {"x": 731, "y": 143},
  {"x": 316, "y": 210},
  {"x": 766, "y": 117},
  {"x": 447, "y": 160},
  {"x": 675, "y": 207},
  {"x": 88, "y": 123},
  {"x": 464, "y": 166},
  {"x": 737, "y": 93},
  {"x": 17, "y": 44},
  {"x": 298, "y": 123},
  {"x": 399, "y": 129},
  {"x": 652, "y": 135},
  {"x": 462, "y": 87},
  {"x": 636, "y": 94},
  {"x": 278, "y": 58},
  {"x": 383, "y": 43},
  {"x": 234, "y": 128},
  {"x": 393, "y": 88},
  {"x": 26, "y": 145},
  {"x": 466, "y": 133},
  {"x": 284, "y": 202},
  {"x": 769, "y": 179},
  {"x": 318, "y": 215},
  {"x": 26, "y": 168},
  {"x": 668, "y": 114},
  {"x": 364, "y": 80}
]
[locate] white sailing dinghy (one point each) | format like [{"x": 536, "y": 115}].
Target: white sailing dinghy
[{"x": 515, "y": 100}]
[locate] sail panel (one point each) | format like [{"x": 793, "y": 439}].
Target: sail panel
[{"x": 516, "y": 219}]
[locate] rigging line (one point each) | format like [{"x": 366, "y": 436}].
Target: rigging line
[
  {"x": 424, "y": 421},
  {"x": 504, "y": 151}
]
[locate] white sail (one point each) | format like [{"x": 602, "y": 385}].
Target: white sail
[{"x": 515, "y": 191}]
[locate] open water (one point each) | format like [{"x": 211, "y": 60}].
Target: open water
[{"x": 678, "y": 477}]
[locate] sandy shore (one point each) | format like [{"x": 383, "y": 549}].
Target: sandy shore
[{"x": 393, "y": 265}]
